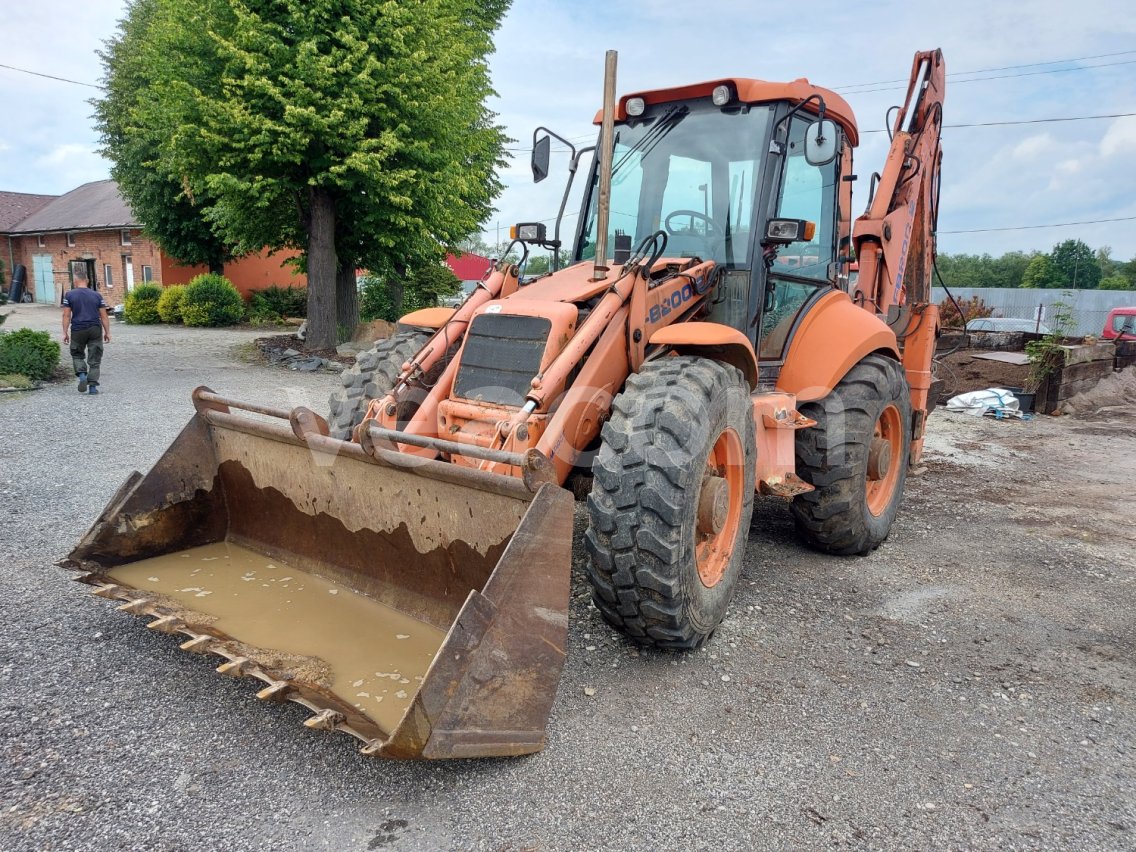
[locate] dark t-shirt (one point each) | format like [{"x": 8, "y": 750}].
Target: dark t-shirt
[{"x": 85, "y": 305}]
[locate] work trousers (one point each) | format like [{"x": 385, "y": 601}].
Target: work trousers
[{"x": 87, "y": 351}]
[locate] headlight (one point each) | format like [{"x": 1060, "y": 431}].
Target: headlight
[
  {"x": 635, "y": 106},
  {"x": 529, "y": 232},
  {"x": 721, "y": 95}
]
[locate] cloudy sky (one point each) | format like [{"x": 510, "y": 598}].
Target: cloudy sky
[{"x": 1007, "y": 62}]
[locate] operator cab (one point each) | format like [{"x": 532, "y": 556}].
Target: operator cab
[{"x": 713, "y": 166}]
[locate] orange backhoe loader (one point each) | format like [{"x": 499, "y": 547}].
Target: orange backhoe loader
[{"x": 402, "y": 566}]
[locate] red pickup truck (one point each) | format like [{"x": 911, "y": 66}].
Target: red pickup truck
[{"x": 1120, "y": 324}]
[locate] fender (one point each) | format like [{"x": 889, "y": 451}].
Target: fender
[
  {"x": 433, "y": 318},
  {"x": 833, "y": 336},
  {"x": 713, "y": 340}
]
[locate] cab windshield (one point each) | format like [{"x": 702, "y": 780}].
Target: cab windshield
[{"x": 692, "y": 170}]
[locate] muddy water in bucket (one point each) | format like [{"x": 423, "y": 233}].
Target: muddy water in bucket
[{"x": 378, "y": 655}]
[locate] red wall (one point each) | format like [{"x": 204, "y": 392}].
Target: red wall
[{"x": 254, "y": 272}]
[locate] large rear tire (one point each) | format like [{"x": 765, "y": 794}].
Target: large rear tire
[
  {"x": 672, "y": 499},
  {"x": 372, "y": 376},
  {"x": 856, "y": 458}
]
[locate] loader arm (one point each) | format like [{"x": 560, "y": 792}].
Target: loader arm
[{"x": 894, "y": 239}]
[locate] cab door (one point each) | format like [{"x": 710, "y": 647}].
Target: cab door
[{"x": 800, "y": 272}]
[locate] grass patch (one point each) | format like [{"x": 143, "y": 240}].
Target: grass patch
[
  {"x": 248, "y": 352},
  {"x": 15, "y": 380}
]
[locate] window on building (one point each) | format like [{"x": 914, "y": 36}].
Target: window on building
[
  {"x": 147, "y": 273},
  {"x": 70, "y": 239},
  {"x": 126, "y": 238},
  {"x": 41, "y": 241},
  {"x": 108, "y": 276}
]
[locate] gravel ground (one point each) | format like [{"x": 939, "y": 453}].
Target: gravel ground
[{"x": 969, "y": 685}]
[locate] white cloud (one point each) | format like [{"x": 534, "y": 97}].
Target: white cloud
[
  {"x": 1032, "y": 147},
  {"x": 1120, "y": 138}
]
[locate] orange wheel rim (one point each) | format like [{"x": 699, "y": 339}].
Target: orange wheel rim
[
  {"x": 884, "y": 459},
  {"x": 721, "y": 497}
]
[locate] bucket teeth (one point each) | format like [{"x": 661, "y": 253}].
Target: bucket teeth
[
  {"x": 373, "y": 747},
  {"x": 198, "y": 645},
  {"x": 109, "y": 591},
  {"x": 167, "y": 624},
  {"x": 236, "y": 668},
  {"x": 278, "y": 691},
  {"x": 324, "y": 720},
  {"x": 137, "y": 606}
]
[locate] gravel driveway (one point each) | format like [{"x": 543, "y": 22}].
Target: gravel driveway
[{"x": 969, "y": 685}]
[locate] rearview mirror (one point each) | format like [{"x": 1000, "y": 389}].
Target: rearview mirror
[
  {"x": 540, "y": 154},
  {"x": 820, "y": 143}
]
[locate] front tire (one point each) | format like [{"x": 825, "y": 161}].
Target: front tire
[
  {"x": 672, "y": 499},
  {"x": 856, "y": 458},
  {"x": 371, "y": 377}
]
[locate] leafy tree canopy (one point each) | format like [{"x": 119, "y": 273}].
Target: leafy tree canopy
[
  {"x": 1076, "y": 264},
  {"x": 353, "y": 130},
  {"x": 1040, "y": 273},
  {"x": 1117, "y": 282},
  {"x": 133, "y": 135}
]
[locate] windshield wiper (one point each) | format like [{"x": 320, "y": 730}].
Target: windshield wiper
[{"x": 668, "y": 122}]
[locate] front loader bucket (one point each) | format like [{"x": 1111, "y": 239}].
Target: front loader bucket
[{"x": 417, "y": 605}]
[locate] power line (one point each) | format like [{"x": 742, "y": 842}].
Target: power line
[
  {"x": 1030, "y": 227},
  {"x": 1025, "y": 121},
  {"x": 1007, "y": 76},
  {"x": 1004, "y": 68},
  {"x": 50, "y": 76}
]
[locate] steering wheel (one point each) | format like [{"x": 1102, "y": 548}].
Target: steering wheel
[{"x": 712, "y": 228}]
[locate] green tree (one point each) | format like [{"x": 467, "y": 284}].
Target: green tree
[
  {"x": 1075, "y": 265},
  {"x": 540, "y": 262},
  {"x": 1040, "y": 273},
  {"x": 423, "y": 288},
  {"x": 132, "y": 136},
  {"x": 1107, "y": 265},
  {"x": 1128, "y": 270},
  {"x": 1117, "y": 282},
  {"x": 1009, "y": 269},
  {"x": 475, "y": 244},
  {"x": 353, "y": 130}
]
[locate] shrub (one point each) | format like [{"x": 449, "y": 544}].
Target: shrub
[
  {"x": 169, "y": 305},
  {"x": 275, "y": 303},
  {"x": 974, "y": 308},
  {"x": 423, "y": 288},
  {"x": 142, "y": 304},
  {"x": 29, "y": 353},
  {"x": 211, "y": 299}
]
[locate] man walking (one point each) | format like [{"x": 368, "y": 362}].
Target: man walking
[{"x": 86, "y": 325}]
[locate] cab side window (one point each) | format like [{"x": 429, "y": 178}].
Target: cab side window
[{"x": 807, "y": 192}]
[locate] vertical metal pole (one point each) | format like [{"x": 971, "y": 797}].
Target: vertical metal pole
[{"x": 607, "y": 148}]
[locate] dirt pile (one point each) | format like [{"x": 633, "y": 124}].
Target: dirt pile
[{"x": 1115, "y": 394}]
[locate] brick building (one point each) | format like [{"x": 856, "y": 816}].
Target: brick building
[{"x": 93, "y": 227}]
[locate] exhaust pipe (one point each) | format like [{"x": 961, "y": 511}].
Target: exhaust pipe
[{"x": 607, "y": 151}]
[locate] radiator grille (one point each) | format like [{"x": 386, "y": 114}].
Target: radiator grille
[{"x": 501, "y": 356}]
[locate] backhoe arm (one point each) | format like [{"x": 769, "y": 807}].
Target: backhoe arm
[{"x": 895, "y": 238}]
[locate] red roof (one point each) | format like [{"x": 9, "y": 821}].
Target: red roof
[{"x": 469, "y": 266}]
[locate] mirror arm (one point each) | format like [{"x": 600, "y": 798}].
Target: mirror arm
[
  {"x": 798, "y": 107},
  {"x": 555, "y": 136}
]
